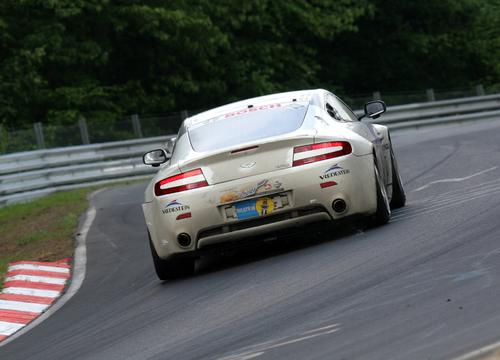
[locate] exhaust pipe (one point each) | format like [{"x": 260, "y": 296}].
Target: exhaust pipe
[
  {"x": 184, "y": 239},
  {"x": 339, "y": 206}
]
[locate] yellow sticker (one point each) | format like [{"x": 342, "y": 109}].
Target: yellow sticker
[{"x": 264, "y": 206}]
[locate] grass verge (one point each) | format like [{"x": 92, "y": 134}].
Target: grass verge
[{"x": 43, "y": 229}]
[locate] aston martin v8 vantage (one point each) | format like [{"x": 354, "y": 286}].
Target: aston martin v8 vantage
[{"x": 262, "y": 165}]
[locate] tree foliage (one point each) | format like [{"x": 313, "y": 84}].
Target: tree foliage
[
  {"x": 60, "y": 59},
  {"x": 412, "y": 44}
]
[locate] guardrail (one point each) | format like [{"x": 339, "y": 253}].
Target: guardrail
[
  {"x": 39, "y": 159},
  {"x": 436, "y": 109},
  {"x": 31, "y": 174}
]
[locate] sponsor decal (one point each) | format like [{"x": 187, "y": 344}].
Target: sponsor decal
[
  {"x": 264, "y": 184},
  {"x": 194, "y": 123},
  {"x": 334, "y": 170},
  {"x": 246, "y": 209},
  {"x": 174, "y": 206},
  {"x": 262, "y": 187},
  {"x": 252, "y": 208},
  {"x": 252, "y": 109},
  {"x": 264, "y": 206},
  {"x": 229, "y": 197},
  {"x": 173, "y": 203}
]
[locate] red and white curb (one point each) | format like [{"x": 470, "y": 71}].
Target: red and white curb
[{"x": 30, "y": 287}]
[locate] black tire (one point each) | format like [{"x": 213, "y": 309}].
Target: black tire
[
  {"x": 398, "y": 199},
  {"x": 383, "y": 214},
  {"x": 172, "y": 268}
]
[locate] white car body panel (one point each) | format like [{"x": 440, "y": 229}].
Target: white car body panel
[{"x": 267, "y": 171}]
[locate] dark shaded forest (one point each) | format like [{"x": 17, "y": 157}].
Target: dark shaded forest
[{"x": 103, "y": 59}]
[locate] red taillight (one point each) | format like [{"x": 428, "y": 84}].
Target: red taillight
[
  {"x": 186, "y": 181},
  {"x": 307, "y": 154}
]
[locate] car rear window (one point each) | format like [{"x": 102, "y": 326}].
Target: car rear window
[{"x": 246, "y": 125}]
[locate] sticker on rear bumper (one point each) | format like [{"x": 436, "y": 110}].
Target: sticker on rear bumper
[
  {"x": 334, "y": 170},
  {"x": 261, "y": 188},
  {"x": 246, "y": 209},
  {"x": 264, "y": 206},
  {"x": 252, "y": 208},
  {"x": 174, "y": 206}
]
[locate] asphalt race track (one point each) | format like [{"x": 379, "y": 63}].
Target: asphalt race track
[{"x": 425, "y": 286}]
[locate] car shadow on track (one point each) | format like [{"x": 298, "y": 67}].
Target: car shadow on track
[{"x": 256, "y": 249}]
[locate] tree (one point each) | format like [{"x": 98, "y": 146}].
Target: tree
[
  {"x": 61, "y": 59},
  {"x": 408, "y": 45}
]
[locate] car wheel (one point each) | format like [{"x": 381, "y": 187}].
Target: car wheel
[
  {"x": 398, "y": 193},
  {"x": 173, "y": 268},
  {"x": 383, "y": 213}
]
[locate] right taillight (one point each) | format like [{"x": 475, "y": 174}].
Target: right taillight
[
  {"x": 185, "y": 181},
  {"x": 307, "y": 154}
]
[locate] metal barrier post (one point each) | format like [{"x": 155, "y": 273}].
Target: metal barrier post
[
  {"x": 4, "y": 140},
  {"x": 40, "y": 140},
  {"x": 136, "y": 123},
  {"x": 377, "y": 96},
  {"x": 480, "y": 90},
  {"x": 84, "y": 132},
  {"x": 430, "y": 95}
]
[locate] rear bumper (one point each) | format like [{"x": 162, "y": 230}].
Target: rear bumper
[
  {"x": 261, "y": 226},
  {"x": 310, "y": 202}
]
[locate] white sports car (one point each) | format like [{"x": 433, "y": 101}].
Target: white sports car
[{"x": 257, "y": 166}]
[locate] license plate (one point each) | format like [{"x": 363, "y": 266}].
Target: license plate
[{"x": 255, "y": 207}]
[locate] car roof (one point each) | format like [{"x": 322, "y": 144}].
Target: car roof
[{"x": 303, "y": 96}]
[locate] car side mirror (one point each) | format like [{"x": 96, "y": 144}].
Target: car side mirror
[
  {"x": 155, "y": 157},
  {"x": 375, "y": 108}
]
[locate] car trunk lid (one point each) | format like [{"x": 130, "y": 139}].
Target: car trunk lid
[{"x": 249, "y": 159}]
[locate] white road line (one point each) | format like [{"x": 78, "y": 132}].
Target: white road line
[
  {"x": 440, "y": 207},
  {"x": 22, "y": 306},
  {"x": 248, "y": 356},
  {"x": 477, "y": 186},
  {"x": 307, "y": 337},
  {"x": 467, "y": 192},
  {"x": 450, "y": 201},
  {"x": 8, "y": 328},
  {"x": 320, "y": 329},
  {"x": 479, "y": 352},
  {"x": 457, "y": 193},
  {"x": 455, "y": 179},
  {"x": 273, "y": 345},
  {"x": 438, "y": 200},
  {"x": 80, "y": 261},
  {"x": 32, "y": 292},
  {"x": 37, "y": 279},
  {"x": 39, "y": 267}
]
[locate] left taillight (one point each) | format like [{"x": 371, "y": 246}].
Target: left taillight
[
  {"x": 181, "y": 182},
  {"x": 307, "y": 154}
]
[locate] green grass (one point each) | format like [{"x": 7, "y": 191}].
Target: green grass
[
  {"x": 43, "y": 229},
  {"x": 35, "y": 236}
]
